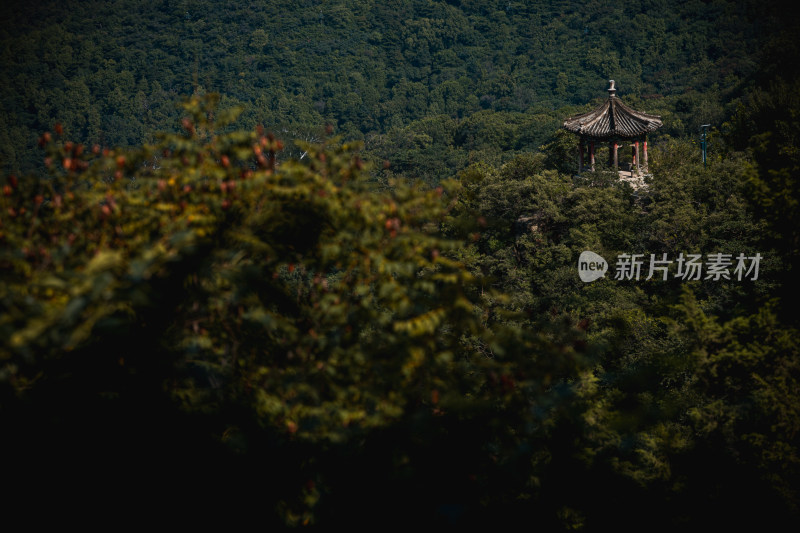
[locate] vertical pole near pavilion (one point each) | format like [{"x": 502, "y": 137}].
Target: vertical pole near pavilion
[
  {"x": 703, "y": 143},
  {"x": 591, "y": 154}
]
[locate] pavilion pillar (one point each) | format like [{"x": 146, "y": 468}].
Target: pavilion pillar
[
  {"x": 645, "y": 153},
  {"x": 591, "y": 154},
  {"x": 636, "y": 155},
  {"x": 613, "y": 156},
  {"x": 580, "y": 155}
]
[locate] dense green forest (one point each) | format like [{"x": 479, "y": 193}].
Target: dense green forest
[
  {"x": 430, "y": 85},
  {"x": 316, "y": 264}
]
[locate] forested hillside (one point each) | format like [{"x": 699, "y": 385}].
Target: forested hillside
[
  {"x": 483, "y": 75},
  {"x": 316, "y": 264}
]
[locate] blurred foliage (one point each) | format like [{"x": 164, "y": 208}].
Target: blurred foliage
[{"x": 198, "y": 282}]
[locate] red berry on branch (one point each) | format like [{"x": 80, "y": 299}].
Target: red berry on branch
[{"x": 59, "y": 128}]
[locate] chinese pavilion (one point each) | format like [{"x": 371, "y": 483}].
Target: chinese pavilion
[{"x": 615, "y": 123}]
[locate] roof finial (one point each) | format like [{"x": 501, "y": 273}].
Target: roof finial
[{"x": 612, "y": 91}]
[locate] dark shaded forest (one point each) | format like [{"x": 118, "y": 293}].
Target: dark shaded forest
[{"x": 317, "y": 262}]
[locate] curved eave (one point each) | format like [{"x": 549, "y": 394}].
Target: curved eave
[{"x": 612, "y": 119}]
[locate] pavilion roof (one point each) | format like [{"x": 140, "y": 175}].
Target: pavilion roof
[{"x": 612, "y": 119}]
